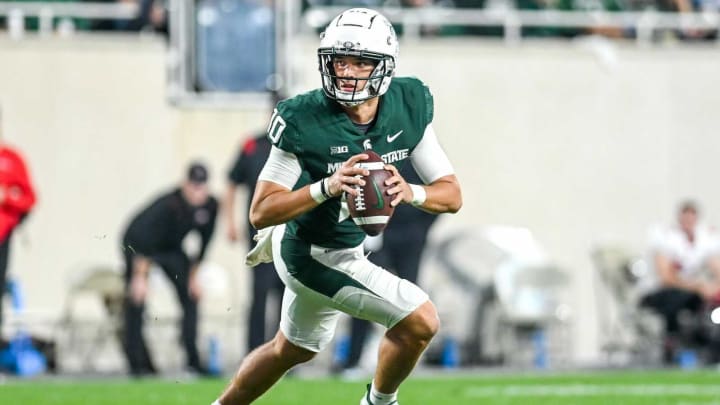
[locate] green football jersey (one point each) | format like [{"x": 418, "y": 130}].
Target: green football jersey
[{"x": 322, "y": 136}]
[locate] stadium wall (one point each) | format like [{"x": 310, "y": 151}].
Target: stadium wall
[{"x": 581, "y": 142}]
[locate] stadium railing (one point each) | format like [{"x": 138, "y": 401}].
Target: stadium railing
[
  {"x": 46, "y": 12},
  {"x": 512, "y": 20}
]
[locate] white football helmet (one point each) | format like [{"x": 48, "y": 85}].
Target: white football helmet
[{"x": 363, "y": 33}]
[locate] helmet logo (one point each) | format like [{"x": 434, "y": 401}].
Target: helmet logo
[
  {"x": 389, "y": 40},
  {"x": 348, "y": 45}
]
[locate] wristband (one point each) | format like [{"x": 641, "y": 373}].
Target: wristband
[
  {"x": 419, "y": 194},
  {"x": 317, "y": 191},
  {"x": 324, "y": 188}
]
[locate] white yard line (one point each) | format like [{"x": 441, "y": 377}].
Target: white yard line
[
  {"x": 697, "y": 403},
  {"x": 594, "y": 390}
]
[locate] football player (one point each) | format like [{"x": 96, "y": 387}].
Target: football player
[{"x": 318, "y": 137}]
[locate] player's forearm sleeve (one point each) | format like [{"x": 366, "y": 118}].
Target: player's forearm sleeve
[
  {"x": 429, "y": 159},
  {"x": 282, "y": 168}
]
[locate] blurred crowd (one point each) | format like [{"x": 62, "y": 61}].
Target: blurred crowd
[
  {"x": 153, "y": 15},
  {"x": 500, "y": 6}
]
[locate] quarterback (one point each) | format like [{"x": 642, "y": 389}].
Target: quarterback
[{"x": 318, "y": 138}]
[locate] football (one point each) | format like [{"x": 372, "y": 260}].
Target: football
[{"x": 371, "y": 209}]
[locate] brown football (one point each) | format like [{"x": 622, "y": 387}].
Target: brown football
[{"x": 371, "y": 209}]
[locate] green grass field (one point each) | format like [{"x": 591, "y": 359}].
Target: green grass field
[{"x": 613, "y": 388}]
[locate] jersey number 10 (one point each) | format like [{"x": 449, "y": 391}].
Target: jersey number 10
[{"x": 276, "y": 127}]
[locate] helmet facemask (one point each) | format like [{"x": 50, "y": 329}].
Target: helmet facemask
[{"x": 375, "y": 85}]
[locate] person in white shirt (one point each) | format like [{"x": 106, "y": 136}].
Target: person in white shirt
[{"x": 686, "y": 258}]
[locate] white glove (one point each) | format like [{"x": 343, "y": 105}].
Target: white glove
[{"x": 262, "y": 252}]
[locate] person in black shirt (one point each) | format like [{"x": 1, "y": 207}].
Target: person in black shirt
[
  {"x": 155, "y": 235},
  {"x": 266, "y": 281}
]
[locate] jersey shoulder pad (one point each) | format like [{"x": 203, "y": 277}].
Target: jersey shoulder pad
[
  {"x": 291, "y": 117},
  {"x": 419, "y": 93}
]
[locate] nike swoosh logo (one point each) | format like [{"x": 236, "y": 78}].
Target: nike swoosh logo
[{"x": 393, "y": 137}]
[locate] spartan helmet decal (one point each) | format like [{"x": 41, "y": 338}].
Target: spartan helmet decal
[{"x": 363, "y": 33}]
